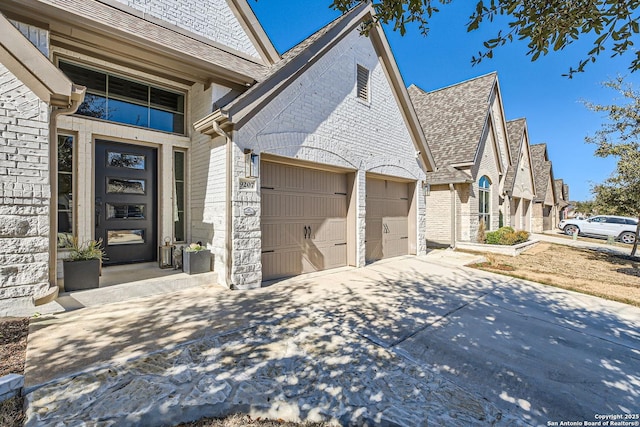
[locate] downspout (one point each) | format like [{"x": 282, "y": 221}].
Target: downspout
[
  {"x": 76, "y": 99},
  {"x": 452, "y": 189},
  {"x": 228, "y": 237},
  {"x": 229, "y": 218}
]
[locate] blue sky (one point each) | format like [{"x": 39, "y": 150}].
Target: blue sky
[{"x": 535, "y": 90}]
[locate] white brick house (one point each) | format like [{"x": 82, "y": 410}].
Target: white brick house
[
  {"x": 178, "y": 98},
  {"x": 466, "y": 130},
  {"x": 335, "y": 110},
  {"x": 545, "y": 204},
  {"x": 520, "y": 185}
]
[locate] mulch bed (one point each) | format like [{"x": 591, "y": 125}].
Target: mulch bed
[{"x": 13, "y": 348}]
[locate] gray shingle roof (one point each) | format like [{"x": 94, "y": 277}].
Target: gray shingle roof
[
  {"x": 541, "y": 170},
  {"x": 515, "y": 132},
  {"x": 562, "y": 197},
  {"x": 453, "y": 118},
  {"x": 448, "y": 175}
]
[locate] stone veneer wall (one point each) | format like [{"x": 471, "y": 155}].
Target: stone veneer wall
[{"x": 24, "y": 191}]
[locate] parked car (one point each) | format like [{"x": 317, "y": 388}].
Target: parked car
[{"x": 620, "y": 227}]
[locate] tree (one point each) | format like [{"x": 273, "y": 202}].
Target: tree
[
  {"x": 586, "y": 207},
  {"x": 620, "y": 138},
  {"x": 545, "y": 24}
]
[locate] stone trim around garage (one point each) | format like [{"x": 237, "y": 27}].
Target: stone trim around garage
[{"x": 497, "y": 249}]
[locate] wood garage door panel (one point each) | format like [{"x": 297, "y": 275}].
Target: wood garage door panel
[
  {"x": 304, "y": 223},
  {"x": 387, "y": 223}
]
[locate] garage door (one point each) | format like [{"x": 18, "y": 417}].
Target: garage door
[
  {"x": 387, "y": 225},
  {"x": 304, "y": 220}
]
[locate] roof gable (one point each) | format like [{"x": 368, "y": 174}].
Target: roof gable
[
  {"x": 561, "y": 196},
  {"x": 301, "y": 57},
  {"x": 116, "y": 30},
  {"x": 229, "y": 23},
  {"x": 542, "y": 172},
  {"x": 454, "y": 118},
  {"x": 519, "y": 145}
]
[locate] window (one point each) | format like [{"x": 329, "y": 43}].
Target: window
[
  {"x": 612, "y": 220},
  {"x": 362, "y": 83},
  {"x": 484, "y": 197},
  {"x": 117, "y": 99},
  {"x": 178, "y": 197},
  {"x": 65, "y": 190}
]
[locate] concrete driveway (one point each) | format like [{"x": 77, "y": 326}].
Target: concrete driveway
[{"x": 411, "y": 341}]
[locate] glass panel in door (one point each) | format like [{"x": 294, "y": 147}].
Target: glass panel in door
[{"x": 125, "y": 204}]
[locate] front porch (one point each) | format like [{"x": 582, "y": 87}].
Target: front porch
[{"x": 124, "y": 282}]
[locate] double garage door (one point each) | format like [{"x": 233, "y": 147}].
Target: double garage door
[{"x": 304, "y": 219}]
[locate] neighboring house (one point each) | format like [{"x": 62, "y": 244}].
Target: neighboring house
[
  {"x": 519, "y": 184},
  {"x": 194, "y": 128},
  {"x": 466, "y": 131},
  {"x": 562, "y": 194},
  {"x": 544, "y": 204}
]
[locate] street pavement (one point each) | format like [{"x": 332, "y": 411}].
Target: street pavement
[{"x": 413, "y": 341}]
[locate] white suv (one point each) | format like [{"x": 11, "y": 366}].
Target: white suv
[{"x": 620, "y": 227}]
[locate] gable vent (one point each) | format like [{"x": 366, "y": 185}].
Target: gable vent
[{"x": 363, "y": 83}]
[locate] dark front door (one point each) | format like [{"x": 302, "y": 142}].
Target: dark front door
[{"x": 126, "y": 177}]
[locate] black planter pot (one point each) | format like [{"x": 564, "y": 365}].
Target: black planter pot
[
  {"x": 196, "y": 262},
  {"x": 80, "y": 275}
]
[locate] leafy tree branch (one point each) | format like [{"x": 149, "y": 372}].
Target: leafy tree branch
[{"x": 546, "y": 25}]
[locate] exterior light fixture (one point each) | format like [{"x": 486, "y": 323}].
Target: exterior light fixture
[{"x": 251, "y": 164}]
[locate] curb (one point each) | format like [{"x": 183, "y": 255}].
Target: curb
[{"x": 10, "y": 386}]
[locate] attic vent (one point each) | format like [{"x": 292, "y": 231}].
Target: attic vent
[{"x": 363, "y": 83}]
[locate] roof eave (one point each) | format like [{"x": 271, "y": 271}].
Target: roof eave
[{"x": 31, "y": 67}]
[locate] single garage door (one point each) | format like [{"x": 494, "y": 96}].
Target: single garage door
[
  {"x": 304, "y": 220},
  {"x": 387, "y": 224}
]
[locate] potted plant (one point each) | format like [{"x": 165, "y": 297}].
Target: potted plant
[
  {"x": 196, "y": 259},
  {"x": 82, "y": 265}
]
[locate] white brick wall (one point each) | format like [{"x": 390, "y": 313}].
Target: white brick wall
[
  {"x": 438, "y": 217},
  {"x": 38, "y": 36},
  {"x": 212, "y": 19},
  {"x": 319, "y": 118},
  {"x": 501, "y": 133},
  {"x": 24, "y": 190},
  {"x": 523, "y": 185},
  {"x": 488, "y": 165}
]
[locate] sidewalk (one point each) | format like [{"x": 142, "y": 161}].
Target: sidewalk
[{"x": 561, "y": 239}]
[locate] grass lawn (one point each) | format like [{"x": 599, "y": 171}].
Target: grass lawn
[{"x": 611, "y": 276}]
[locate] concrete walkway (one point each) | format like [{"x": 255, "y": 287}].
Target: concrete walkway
[{"x": 413, "y": 341}]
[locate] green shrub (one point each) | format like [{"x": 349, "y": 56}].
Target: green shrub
[
  {"x": 494, "y": 237},
  {"x": 507, "y": 236}
]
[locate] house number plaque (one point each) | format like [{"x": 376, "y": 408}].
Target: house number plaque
[{"x": 247, "y": 184}]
